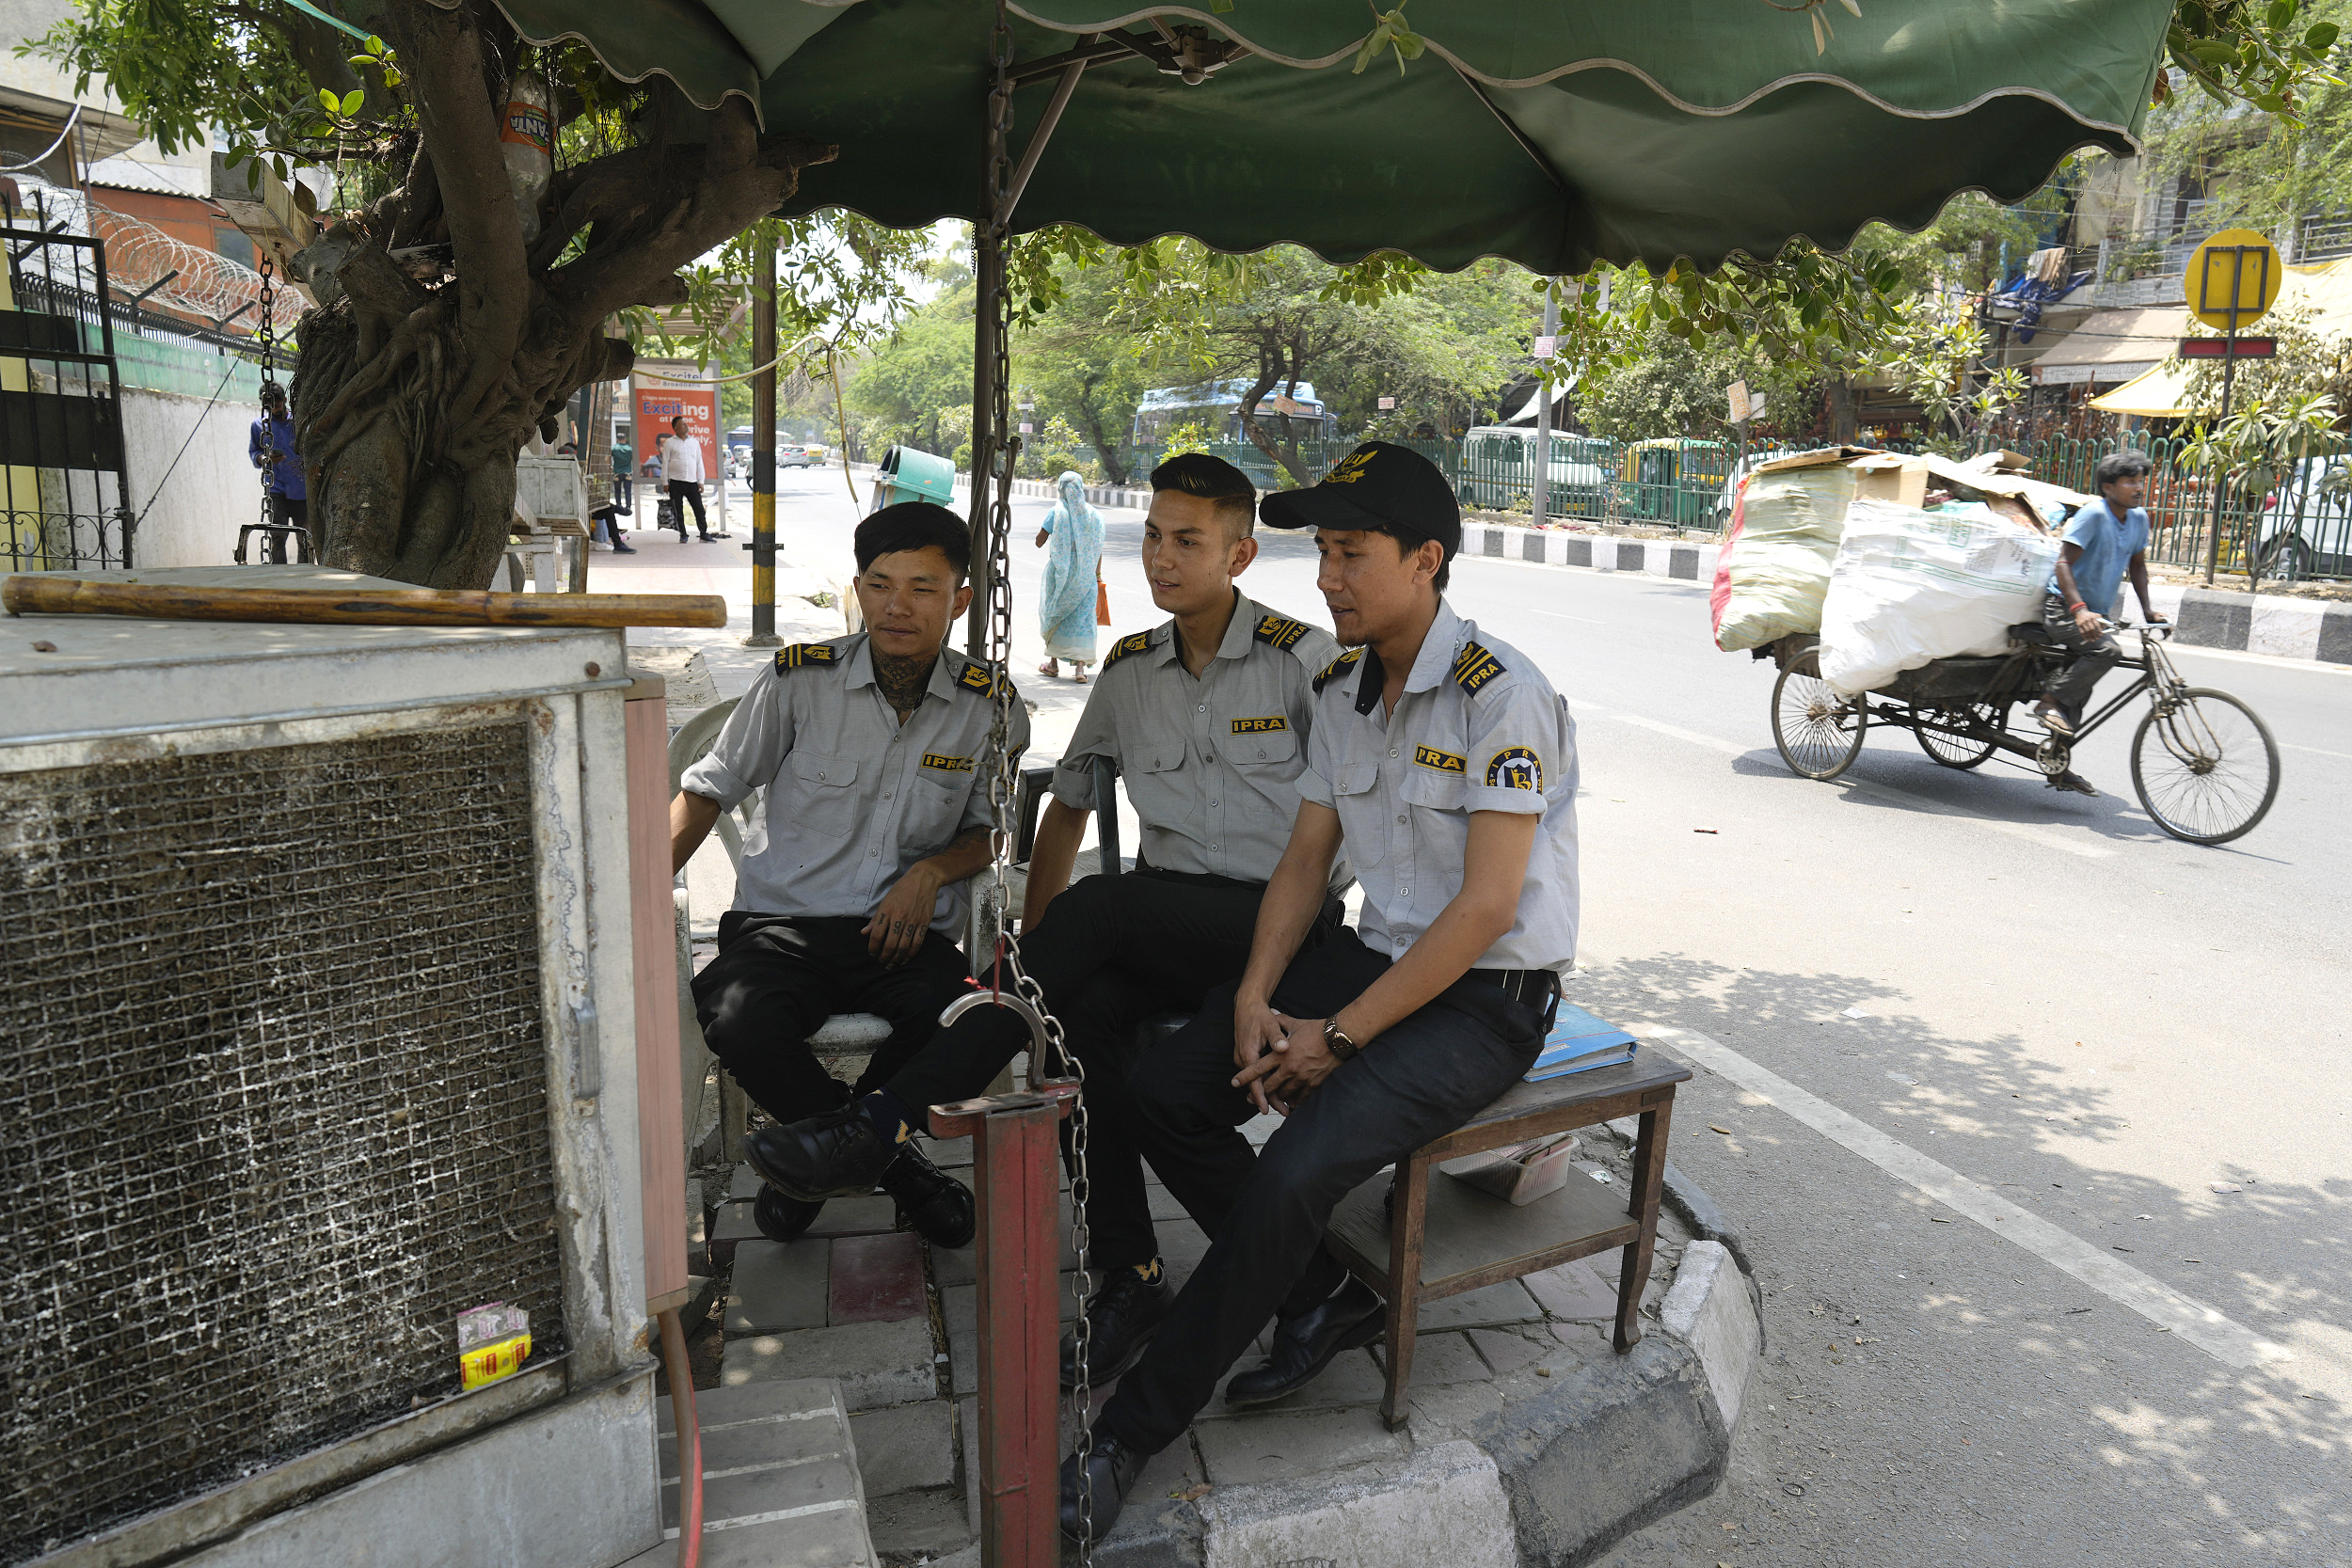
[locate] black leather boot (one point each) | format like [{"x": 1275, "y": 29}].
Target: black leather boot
[
  {"x": 1111, "y": 1469},
  {"x": 781, "y": 1218},
  {"x": 837, "y": 1154},
  {"x": 936, "y": 1204},
  {"x": 1350, "y": 1318},
  {"x": 1120, "y": 1321}
]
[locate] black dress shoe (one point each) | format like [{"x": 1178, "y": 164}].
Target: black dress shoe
[
  {"x": 1120, "y": 1321},
  {"x": 834, "y": 1155},
  {"x": 781, "y": 1218},
  {"x": 1351, "y": 1317},
  {"x": 1111, "y": 1469},
  {"x": 936, "y": 1204}
]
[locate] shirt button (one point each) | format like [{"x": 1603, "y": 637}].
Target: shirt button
[
  {"x": 820, "y": 777},
  {"x": 871, "y": 853},
  {"x": 1213, "y": 802},
  {"x": 1404, "y": 893},
  {"x": 1400, "y": 819},
  {"x": 1262, "y": 756},
  {"x": 885, "y": 795},
  {"x": 1208, "y": 756}
]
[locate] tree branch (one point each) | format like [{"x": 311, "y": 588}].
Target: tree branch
[{"x": 443, "y": 56}]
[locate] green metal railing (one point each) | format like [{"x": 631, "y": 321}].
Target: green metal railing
[{"x": 2295, "y": 522}]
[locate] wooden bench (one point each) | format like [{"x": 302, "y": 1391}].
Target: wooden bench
[{"x": 1445, "y": 1237}]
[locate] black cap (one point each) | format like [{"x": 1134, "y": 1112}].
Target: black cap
[{"x": 1378, "y": 486}]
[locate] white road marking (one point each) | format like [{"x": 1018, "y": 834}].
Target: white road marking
[
  {"x": 2230, "y": 1342},
  {"x": 2317, "y": 751},
  {"x": 2276, "y": 661},
  {"x": 2046, "y": 837},
  {"x": 741, "y": 1520}
]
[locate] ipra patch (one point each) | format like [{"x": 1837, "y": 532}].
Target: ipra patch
[
  {"x": 1261, "y": 726},
  {"x": 1514, "y": 767},
  {"x": 1444, "y": 762}
]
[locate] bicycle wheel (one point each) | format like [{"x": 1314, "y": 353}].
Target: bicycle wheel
[
  {"x": 2213, "y": 771},
  {"x": 1818, "y": 732},
  {"x": 1960, "y": 751}
]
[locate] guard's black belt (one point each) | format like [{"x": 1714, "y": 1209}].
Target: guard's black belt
[{"x": 1534, "y": 987}]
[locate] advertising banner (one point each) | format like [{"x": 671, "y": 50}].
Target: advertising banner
[{"x": 656, "y": 402}]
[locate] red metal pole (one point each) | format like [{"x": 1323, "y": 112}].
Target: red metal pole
[{"x": 1016, "y": 1184}]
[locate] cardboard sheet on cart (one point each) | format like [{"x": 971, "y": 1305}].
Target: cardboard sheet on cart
[{"x": 1774, "y": 572}]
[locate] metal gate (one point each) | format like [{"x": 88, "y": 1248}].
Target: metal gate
[{"x": 64, "y": 500}]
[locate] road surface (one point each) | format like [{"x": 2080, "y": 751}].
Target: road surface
[{"x": 1972, "y": 1057}]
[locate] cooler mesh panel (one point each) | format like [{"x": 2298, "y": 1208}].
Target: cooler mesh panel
[{"x": 273, "y": 1108}]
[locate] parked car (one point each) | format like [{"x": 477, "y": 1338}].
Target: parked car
[
  {"x": 795, "y": 454},
  {"x": 2307, "y": 522},
  {"x": 1497, "y": 471}
]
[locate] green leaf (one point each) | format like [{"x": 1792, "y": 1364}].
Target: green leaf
[
  {"x": 2321, "y": 36},
  {"x": 352, "y": 101},
  {"x": 330, "y": 101}
]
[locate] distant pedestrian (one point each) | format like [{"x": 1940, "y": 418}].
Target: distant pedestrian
[
  {"x": 271, "y": 446},
  {"x": 1065, "y": 606},
  {"x": 682, "y": 466}
]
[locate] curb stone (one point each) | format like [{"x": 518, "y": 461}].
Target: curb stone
[{"x": 1553, "y": 1479}]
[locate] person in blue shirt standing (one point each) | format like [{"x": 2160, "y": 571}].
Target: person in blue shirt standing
[
  {"x": 2102, "y": 542},
  {"x": 271, "y": 446}
]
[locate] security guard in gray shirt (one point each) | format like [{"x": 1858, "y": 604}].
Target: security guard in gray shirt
[
  {"x": 871, "y": 748},
  {"x": 1445, "y": 764},
  {"x": 1208, "y": 716}
]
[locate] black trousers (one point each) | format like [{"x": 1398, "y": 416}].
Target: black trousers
[
  {"x": 683, "y": 494},
  {"x": 778, "y": 977},
  {"x": 1265, "y": 1212},
  {"x": 2092, "y": 656},
  {"x": 1111, "y": 952}
]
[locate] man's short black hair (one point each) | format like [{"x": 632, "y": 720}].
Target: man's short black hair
[
  {"x": 1225, "y": 487},
  {"x": 914, "y": 525},
  {"x": 272, "y": 392},
  {"x": 2128, "y": 464}
]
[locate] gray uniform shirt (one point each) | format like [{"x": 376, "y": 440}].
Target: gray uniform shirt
[
  {"x": 1477, "y": 728},
  {"x": 1211, "y": 763},
  {"x": 854, "y": 797}
]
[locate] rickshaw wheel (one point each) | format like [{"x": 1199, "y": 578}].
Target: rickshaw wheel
[
  {"x": 2213, "y": 769},
  {"x": 1960, "y": 751},
  {"x": 1818, "y": 732}
]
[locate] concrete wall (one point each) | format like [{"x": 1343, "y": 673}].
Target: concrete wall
[{"x": 193, "y": 520}]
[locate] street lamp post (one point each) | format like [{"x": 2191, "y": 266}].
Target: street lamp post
[{"x": 1546, "y": 347}]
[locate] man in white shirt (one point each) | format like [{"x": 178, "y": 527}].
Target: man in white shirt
[{"x": 682, "y": 466}]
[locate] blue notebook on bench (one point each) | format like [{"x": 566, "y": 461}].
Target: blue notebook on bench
[{"x": 1579, "y": 1043}]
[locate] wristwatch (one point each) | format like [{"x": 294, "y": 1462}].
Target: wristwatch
[{"x": 1335, "y": 1039}]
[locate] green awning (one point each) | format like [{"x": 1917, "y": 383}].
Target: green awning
[{"x": 1550, "y": 131}]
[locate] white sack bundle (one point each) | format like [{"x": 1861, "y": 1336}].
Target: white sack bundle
[{"x": 1908, "y": 587}]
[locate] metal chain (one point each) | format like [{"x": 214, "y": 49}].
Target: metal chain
[
  {"x": 268, "y": 335},
  {"x": 997, "y": 453}
]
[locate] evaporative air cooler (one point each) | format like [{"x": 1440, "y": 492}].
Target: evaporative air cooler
[{"x": 318, "y": 1028}]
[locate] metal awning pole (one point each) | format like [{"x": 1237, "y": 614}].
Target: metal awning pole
[{"x": 763, "y": 446}]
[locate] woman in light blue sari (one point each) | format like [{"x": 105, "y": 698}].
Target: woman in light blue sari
[{"x": 1065, "y": 606}]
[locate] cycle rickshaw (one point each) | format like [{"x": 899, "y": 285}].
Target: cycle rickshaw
[{"x": 2203, "y": 763}]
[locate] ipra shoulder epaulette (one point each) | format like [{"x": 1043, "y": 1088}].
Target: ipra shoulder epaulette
[
  {"x": 1337, "y": 666},
  {"x": 977, "y": 677},
  {"x": 1474, "y": 667},
  {"x": 1127, "y": 645},
  {"x": 799, "y": 655},
  {"x": 1278, "y": 631}
]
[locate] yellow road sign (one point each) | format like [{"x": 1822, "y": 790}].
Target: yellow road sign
[{"x": 2236, "y": 265}]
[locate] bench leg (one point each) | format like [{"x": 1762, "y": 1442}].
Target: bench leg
[
  {"x": 1649, "y": 1178},
  {"x": 1404, "y": 1243}
]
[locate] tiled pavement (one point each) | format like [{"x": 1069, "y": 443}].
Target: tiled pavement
[{"x": 892, "y": 1320}]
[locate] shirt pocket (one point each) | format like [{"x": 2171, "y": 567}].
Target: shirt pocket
[
  {"x": 1270, "y": 748},
  {"x": 1356, "y": 793},
  {"x": 935, "y": 807},
  {"x": 1431, "y": 789},
  {"x": 824, "y": 799}
]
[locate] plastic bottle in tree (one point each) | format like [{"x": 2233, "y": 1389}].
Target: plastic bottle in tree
[{"x": 525, "y": 138}]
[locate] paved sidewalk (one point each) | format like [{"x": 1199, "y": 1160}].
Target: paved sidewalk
[{"x": 892, "y": 1321}]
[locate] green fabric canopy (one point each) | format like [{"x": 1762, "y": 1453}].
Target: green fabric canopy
[{"x": 1550, "y": 131}]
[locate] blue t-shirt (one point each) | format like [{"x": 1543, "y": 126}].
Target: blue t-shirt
[
  {"x": 285, "y": 475},
  {"x": 2108, "y": 546}
]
